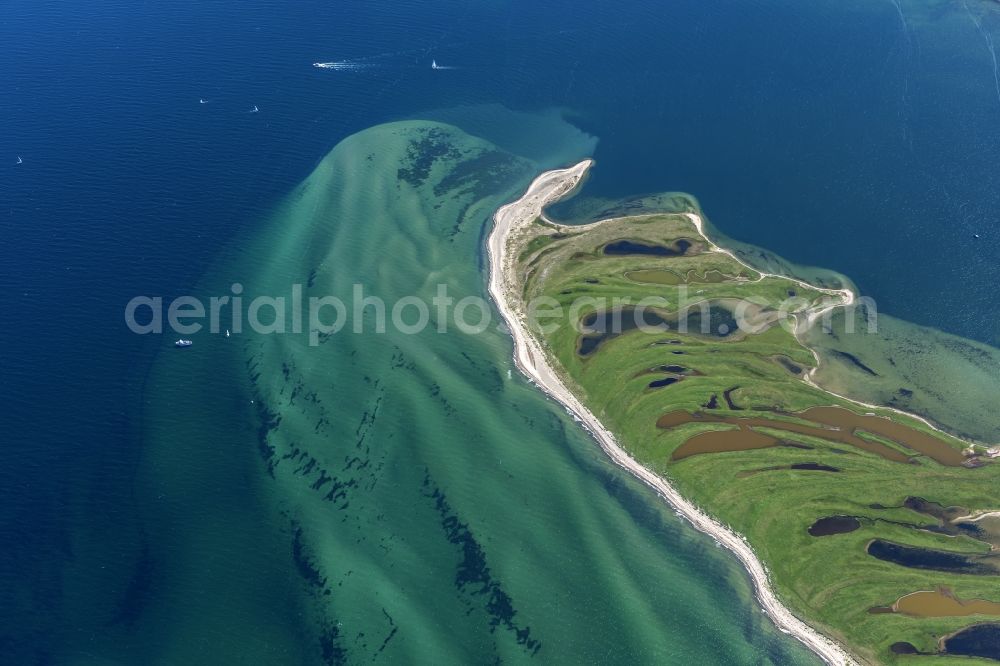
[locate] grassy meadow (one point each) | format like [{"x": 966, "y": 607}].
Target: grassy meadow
[{"x": 830, "y": 581}]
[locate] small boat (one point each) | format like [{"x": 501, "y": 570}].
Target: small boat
[
  {"x": 19, "y": 160},
  {"x": 183, "y": 343},
  {"x": 434, "y": 64},
  {"x": 254, "y": 109}
]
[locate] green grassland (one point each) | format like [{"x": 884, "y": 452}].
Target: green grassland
[{"x": 830, "y": 581}]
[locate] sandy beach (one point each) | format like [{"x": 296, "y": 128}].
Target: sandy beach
[{"x": 530, "y": 358}]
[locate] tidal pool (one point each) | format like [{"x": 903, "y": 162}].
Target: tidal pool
[
  {"x": 981, "y": 640},
  {"x": 803, "y": 466},
  {"x": 942, "y": 603},
  {"x": 956, "y": 520},
  {"x": 599, "y": 327},
  {"x": 831, "y": 423},
  {"x": 627, "y": 247},
  {"x": 834, "y": 525},
  {"x": 932, "y": 447},
  {"x": 916, "y": 557}
]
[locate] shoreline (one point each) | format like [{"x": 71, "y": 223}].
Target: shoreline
[
  {"x": 848, "y": 296},
  {"x": 531, "y": 360}
]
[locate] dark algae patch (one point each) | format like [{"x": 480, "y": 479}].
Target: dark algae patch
[
  {"x": 304, "y": 564},
  {"x": 855, "y": 361},
  {"x": 139, "y": 585},
  {"x": 473, "y": 575},
  {"x": 330, "y": 646},
  {"x": 432, "y": 145},
  {"x": 481, "y": 175}
]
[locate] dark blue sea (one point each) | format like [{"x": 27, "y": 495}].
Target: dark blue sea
[{"x": 861, "y": 136}]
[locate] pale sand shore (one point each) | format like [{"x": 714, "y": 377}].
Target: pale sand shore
[{"x": 533, "y": 362}]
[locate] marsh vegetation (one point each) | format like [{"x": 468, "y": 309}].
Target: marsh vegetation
[{"x": 823, "y": 488}]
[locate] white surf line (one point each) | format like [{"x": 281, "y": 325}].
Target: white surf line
[{"x": 531, "y": 360}]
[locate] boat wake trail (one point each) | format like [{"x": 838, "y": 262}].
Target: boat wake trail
[
  {"x": 376, "y": 60},
  {"x": 361, "y": 64},
  {"x": 417, "y": 57},
  {"x": 907, "y": 51},
  {"x": 345, "y": 65},
  {"x": 989, "y": 46},
  {"x": 996, "y": 69},
  {"x": 902, "y": 18}
]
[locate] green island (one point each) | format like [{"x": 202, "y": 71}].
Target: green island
[{"x": 876, "y": 529}]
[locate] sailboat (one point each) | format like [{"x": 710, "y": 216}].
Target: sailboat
[
  {"x": 434, "y": 64},
  {"x": 254, "y": 109},
  {"x": 19, "y": 160}
]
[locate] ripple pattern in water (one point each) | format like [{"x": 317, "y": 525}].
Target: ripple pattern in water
[{"x": 404, "y": 497}]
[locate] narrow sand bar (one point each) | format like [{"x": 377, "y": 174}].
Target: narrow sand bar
[{"x": 530, "y": 358}]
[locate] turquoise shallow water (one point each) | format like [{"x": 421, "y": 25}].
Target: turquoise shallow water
[
  {"x": 407, "y": 497},
  {"x": 794, "y": 123}
]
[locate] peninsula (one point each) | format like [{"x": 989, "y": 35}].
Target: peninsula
[{"x": 686, "y": 365}]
